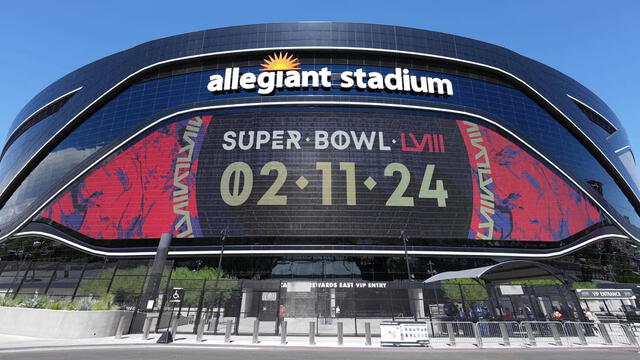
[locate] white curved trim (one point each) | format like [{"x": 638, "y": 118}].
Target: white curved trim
[
  {"x": 316, "y": 103},
  {"x": 345, "y": 252},
  {"x": 595, "y": 111},
  {"x": 40, "y": 109},
  {"x": 349, "y": 48},
  {"x": 623, "y": 148}
]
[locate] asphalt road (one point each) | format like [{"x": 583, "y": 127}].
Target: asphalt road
[{"x": 199, "y": 352}]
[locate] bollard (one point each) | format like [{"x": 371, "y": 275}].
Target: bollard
[
  {"x": 556, "y": 333},
  {"x": 605, "y": 333},
  {"x": 505, "y": 334},
  {"x": 530, "y": 335},
  {"x": 452, "y": 336},
  {"x": 146, "y": 328},
  {"x": 283, "y": 333},
  {"x": 367, "y": 334},
  {"x": 627, "y": 331},
  {"x": 120, "y": 329},
  {"x": 340, "y": 333},
  {"x": 200, "y": 331},
  {"x": 476, "y": 333},
  {"x": 174, "y": 328},
  {"x": 227, "y": 331},
  {"x": 580, "y": 332},
  {"x": 312, "y": 332},
  {"x": 256, "y": 329}
]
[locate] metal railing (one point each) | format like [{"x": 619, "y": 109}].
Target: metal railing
[
  {"x": 501, "y": 333},
  {"x": 498, "y": 334}
]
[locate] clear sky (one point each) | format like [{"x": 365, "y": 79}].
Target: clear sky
[{"x": 596, "y": 42}]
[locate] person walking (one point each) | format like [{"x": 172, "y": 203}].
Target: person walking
[{"x": 593, "y": 319}]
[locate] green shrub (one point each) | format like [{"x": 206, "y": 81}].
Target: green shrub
[
  {"x": 61, "y": 305},
  {"x": 106, "y": 303},
  {"x": 42, "y": 302},
  {"x": 84, "y": 304},
  {"x": 38, "y": 302},
  {"x": 585, "y": 285},
  {"x": 11, "y": 302}
]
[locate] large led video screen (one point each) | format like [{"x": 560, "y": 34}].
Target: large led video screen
[{"x": 310, "y": 174}]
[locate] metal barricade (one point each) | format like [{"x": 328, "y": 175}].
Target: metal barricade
[
  {"x": 454, "y": 334},
  {"x": 500, "y": 334},
  {"x": 543, "y": 333},
  {"x": 618, "y": 334},
  {"x": 584, "y": 333}
]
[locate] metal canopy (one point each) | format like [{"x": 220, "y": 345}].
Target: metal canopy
[{"x": 502, "y": 272}]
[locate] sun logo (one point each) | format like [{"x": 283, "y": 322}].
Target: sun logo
[{"x": 279, "y": 62}]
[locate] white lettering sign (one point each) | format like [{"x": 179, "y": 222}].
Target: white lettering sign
[{"x": 267, "y": 82}]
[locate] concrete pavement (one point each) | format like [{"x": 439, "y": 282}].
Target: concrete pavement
[
  {"x": 185, "y": 347},
  {"x": 192, "y": 352}
]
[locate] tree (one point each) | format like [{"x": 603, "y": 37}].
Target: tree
[{"x": 471, "y": 290}]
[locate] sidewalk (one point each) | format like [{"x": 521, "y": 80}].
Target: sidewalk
[{"x": 22, "y": 342}]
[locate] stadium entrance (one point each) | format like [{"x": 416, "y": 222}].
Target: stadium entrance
[{"x": 508, "y": 291}]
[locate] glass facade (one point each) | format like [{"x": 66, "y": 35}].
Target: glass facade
[{"x": 147, "y": 100}]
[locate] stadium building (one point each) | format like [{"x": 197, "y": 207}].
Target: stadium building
[{"x": 335, "y": 166}]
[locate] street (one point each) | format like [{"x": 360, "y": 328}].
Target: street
[{"x": 182, "y": 352}]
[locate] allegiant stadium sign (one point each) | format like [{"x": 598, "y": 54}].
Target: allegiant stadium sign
[{"x": 281, "y": 71}]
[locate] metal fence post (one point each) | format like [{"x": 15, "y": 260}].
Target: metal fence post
[
  {"x": 530, "y": 335},
  {"x": 556, "y": 333},
  {"x": 452, "y": 336},
  {"x": 120, "y": 329},
  {"x": 505, "y": 334},
  {"x": 283, "y": 333},
  {"x": 627, "y": 331},
  {"x": 340, "y": 333},
  {"x": 581, "y": 335},
  {"x": 605, "y": 333},
  {"x": 476, "y": 333},
  {"x": 227, "y": 331},
  {"x": 312, "y": 332},
  {"x": 367, "y": 334},
  {"x": 75, "y": 290},
  {"x": 256, "y": 329}
]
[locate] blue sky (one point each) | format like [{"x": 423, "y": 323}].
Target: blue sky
[{"x": 592, "y": 41}]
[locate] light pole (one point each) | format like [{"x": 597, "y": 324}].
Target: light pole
[
  {"x": 406, "y": 253},
  {"x": 219, "y": 297},
  {"x": 406, "y": 260},
  {"x": 432, "y": 272}
]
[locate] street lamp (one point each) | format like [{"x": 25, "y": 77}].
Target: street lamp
[
  {"x": 406, "y": 254},
  {"x": 431, "y": 272},
  {"x": 406, "y": 260},
  {"x": 219, "y": 297}
]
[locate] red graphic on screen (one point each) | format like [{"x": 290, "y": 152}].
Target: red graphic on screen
[
  {"x": 149, "y": 187},
  {"x": 134, "y": 195},
  {"x": 516, "y": 197},
  {"x": 435, "y": 142}
]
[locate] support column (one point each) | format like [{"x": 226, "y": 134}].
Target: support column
[
  {"x": 155, "y": 274},
  {"x": 151, "y": 290}
]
